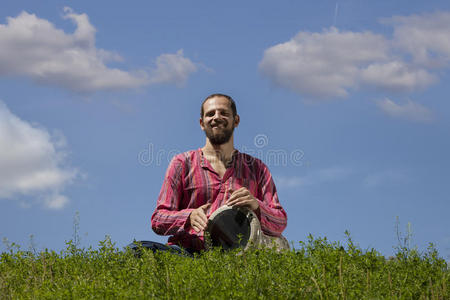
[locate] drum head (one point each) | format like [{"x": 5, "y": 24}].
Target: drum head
[{"x": 229, "y": 228}]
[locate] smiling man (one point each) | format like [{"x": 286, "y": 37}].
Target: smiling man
[{"x": 200, "y": 181}]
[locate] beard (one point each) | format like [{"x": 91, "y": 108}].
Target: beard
[{"x": 221, "y": 137}]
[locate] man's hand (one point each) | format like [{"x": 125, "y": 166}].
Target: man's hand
[
  {"x": 242, "y": 197},
  {"x": 198, "y": 217}
]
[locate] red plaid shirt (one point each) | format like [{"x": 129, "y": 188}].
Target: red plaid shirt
[{"x": 191, "y": 182}]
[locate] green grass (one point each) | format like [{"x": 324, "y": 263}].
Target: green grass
[{"x": 317, "y": 270}]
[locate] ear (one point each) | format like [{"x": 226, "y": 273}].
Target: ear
[
  {"x": 237, "y": 119},
  {"x": 202, "y": 125}
]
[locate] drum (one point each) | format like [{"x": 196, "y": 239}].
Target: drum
[{"x": 231, "y": 227}]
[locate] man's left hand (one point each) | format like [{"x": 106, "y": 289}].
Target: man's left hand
[{"x": 243, "y": 197}]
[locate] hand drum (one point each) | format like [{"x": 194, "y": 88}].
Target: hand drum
[{"x": 231, "y": 228}]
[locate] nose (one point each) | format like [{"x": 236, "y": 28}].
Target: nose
[{"x": 217, "y": 115}]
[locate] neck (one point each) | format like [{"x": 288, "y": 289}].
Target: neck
[{"x": 222, "y": 152}]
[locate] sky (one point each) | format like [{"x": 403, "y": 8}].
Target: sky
[{"x": 345, "y": 101}]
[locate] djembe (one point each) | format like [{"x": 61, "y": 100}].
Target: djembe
[{"x": 230, "y": 228}]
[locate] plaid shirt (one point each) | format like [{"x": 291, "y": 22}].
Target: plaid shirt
[{"x": 191, "y": 182}]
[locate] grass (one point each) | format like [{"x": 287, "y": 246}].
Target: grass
[{"x": 318, "y": 269}]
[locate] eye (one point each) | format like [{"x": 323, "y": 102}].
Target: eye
[{"x": 224, "y": 113}]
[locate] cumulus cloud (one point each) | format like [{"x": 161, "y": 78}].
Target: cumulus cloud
[
  {"x": 410, "y": 110},
  {"x": 322, "y": 64},
  {"x": 35, "y": 48},
  {"x": 31, "y": 162},
  {"x": 173, "y": 68},
  {"x": 426, "y": 37},
  {"x": 332, "y": 63},
  {"x": 396, "y": 76}
]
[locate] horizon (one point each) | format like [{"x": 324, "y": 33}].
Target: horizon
[{"x": 344, "y": 102}]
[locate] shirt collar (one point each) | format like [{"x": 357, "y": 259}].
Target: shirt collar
[{"x": 204, "y": 163}]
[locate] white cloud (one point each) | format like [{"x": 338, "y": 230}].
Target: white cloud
[
  {"x": 35, "y": 48},
  {"x": 426, "y": 37},
  {"x": 316, "y": 177},
  {"x": 332, "y": 63},
  {"x": 324, "y": 64},
  {"x": 31, "y": 162},
  {"x": 396, "y": 76},
  {"x": 410, "y": 110},
  {"x": 173, "y": 68},
  {"x": 56, "y": 201}
]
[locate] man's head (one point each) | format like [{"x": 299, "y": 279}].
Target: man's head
[
  {"x": 218, "y": 118},
  {"x": 232, "y": 103}
]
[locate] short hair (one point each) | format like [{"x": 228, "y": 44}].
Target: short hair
[{"x": 232, "y": 103}]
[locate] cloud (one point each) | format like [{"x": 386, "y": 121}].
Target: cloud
[
  {"x": 332, "y": 63},
  {"x": 409, "y": 111},
  {"x": 322, "y": 65},
  {"x": 173, "y": 68},
  {"x": 385, "y": 177},
  {"x": 317, "y": 177},
  {"x": 396, "y": 76},
  {"x": 290, "y": 182},
  {"x": 31, "y": 162},
  {"x": 35, "y": 48},
  {"x": 426, "y": 37},
  {"x": 336, "y": 174}
]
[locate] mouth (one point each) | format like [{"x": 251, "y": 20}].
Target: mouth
[{"x": 217, "y": 126}]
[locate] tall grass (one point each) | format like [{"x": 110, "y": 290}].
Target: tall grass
[{"x": 318, "y": 269}]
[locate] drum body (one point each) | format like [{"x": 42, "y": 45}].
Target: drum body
[{"x": 232, "y": 228}]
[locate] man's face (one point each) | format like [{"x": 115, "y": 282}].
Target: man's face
[{"x": 218, "y": 121}]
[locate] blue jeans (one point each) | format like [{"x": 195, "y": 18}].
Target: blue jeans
[{"x": 155, "y": 246}]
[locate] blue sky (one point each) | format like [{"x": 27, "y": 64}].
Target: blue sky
[{"x": 345, "y": 101}]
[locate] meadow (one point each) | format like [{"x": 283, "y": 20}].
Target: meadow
[{"x": 316, "y": 269}]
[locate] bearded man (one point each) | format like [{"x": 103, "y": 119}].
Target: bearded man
[{"x": 200, "y": 181}]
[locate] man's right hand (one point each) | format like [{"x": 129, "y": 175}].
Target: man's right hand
[{"x": 198, "y": 217}]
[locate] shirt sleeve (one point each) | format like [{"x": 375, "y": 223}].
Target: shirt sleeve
[
  {"x": 168, "y": 217},
  {"x": 273, "y": 218}
]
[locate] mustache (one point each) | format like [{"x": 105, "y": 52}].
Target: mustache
[{"x": 219, "y": 123}]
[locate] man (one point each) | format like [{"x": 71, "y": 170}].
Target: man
[{"x": 200, "y": 181}]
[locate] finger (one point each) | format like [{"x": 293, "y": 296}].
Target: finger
[
  {"x": 203, "y": 216},
  {"x": 252, "y": 204},
  {"x": 242, "y": 204},
  {"x": 235, "y": 201},
  {"x": 231, "y": 190},
  {"x": 196, "y": 217},
  {"x": 241, "y": 201},
  {"x": 205, "y": 206},
  {"x": 200, "y": 211},
  {"x": 201, "y": 221},
  {"x": 238, "y": 194},
  {"x": 196, "y": 228},
  {"x": 198, "y": 224}
]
